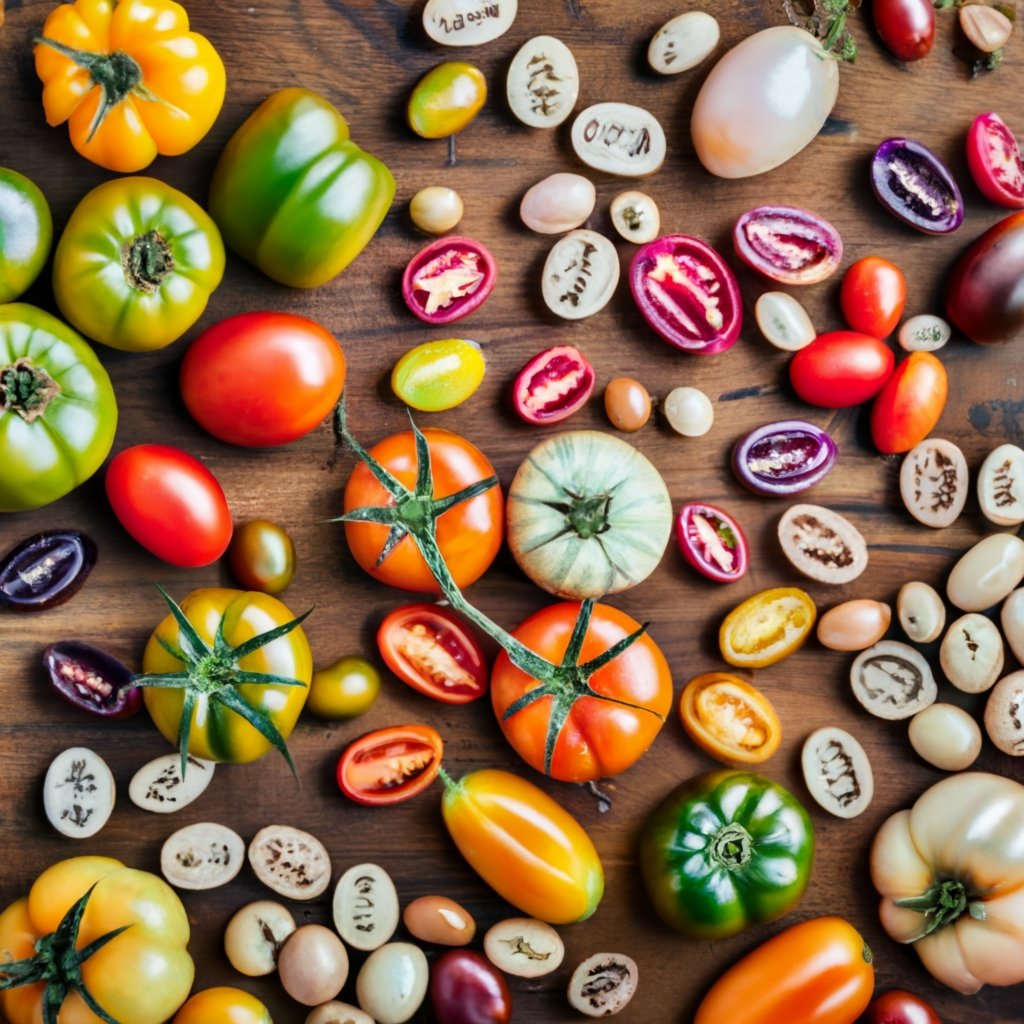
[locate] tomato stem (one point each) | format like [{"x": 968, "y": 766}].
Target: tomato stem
[
  {"x": 826, "y": 20},
  {"x": 26, "y": 389},
  {"x": 941, "y": 905},
  {"x": 146, "y": 260},
  {"x": 732, "y": 846}
]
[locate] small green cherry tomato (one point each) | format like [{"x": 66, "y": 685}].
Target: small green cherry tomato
[
  {"x": 345, "y": 689},
  {"x": 262, "y": 556},
  {"x": 26, "y": 231},
  {"x": 446, "y": 99},
  {"x": 438, "y": 375}
]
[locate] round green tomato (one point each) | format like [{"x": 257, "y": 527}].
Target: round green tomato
[
  {"x": 57, "y": 408},
  {"x": 725, "y": 851},
  {"x": 345, "y": 689},
  {"x": 262, "y": 556},
  {"x": 446, "y": 99},
  {"x": 438, "y": 375},
  {"x": 136, "y": 264},
  {"x": 26, "y": 231}
]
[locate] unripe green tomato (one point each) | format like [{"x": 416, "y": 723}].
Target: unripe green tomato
[
  {"x": 26, "y": 233},
  {"x": 438, "y": 375},
  {"x": 446, "y": 99},
  {"x": 262, "y": 556},
  {"x": 345, "y": 689}
]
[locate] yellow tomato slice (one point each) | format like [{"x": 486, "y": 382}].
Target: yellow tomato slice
[
  {"x": 767, "y": 627},
  {"x": 729, "y": 719}
]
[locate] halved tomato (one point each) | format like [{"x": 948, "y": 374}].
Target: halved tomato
[
  {"x": 994, "y": 160},
  {"x": 390, "y": 765}
]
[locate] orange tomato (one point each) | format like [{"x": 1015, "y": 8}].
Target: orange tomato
[
  {"x": 729, "y": 719},
  {"x": 469, "y": 534},
  {"x": 767, "y": 627},
  {"x": 910, "y": 404},
  {"x": 130, "y": 79},
  {"x": 223, "y": 1005},
  {"x": 817, "y": 972}
]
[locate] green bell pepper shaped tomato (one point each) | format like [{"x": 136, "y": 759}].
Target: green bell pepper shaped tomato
[
  {"x": 724, "y": 851},
  {"x": 292, "y": 195}
]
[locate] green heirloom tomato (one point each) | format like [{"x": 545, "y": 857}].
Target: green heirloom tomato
[
  {"x": 136, "y": 264},
  {"x": 57, "y": 409},
  {"x": 438, "y": 375},
  {"x": 724, "y": 851},
  {"x": 293, "y": 195},
  {"x": 446, "y": 99},
  {"x": 26, "y": 231}
]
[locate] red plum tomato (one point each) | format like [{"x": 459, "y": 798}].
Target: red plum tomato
[
  {"x": 899, "y": 1007},
  {"x": 687, "y": 294},
  {"x": 712, "y": 542},
  {"x": 390, "y": 765},
  {"x": 841, "y": 368},
  {"x": 873, "y": 295},
  {"x": 433, "y": 651},
  {"x": 994, "y": 160},
  {"x": 170, "y": 503},
  {"x": 466, "y": 988},
  {"x": 262, "y": 379},
  {"x": 553, "y": 385},
  {"x": 788, "y": 244},
  {"x": 448, "y": 279},
  {"x": 907, "y": 27},
  {"x": 908, "y": 407}
]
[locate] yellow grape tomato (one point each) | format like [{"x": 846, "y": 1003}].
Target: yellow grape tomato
[
  {"x": 344, "y": 689},
  {"x": 438, "y": 375}
]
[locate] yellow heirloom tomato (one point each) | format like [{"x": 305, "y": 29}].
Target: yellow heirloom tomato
[{"x": 766, "y": 627}]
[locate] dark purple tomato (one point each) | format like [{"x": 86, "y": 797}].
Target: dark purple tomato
[
  {"x": 687, "y": 294},
  {"x": 91, "y": 679},
  {"x": 907, "y": 27},
  {"x": 466, "y": 988},
  {"x": 984, "y": 297},
  {"x": 916, "y": 187},
  {"x": 784, "y": 458},
  {"x": 712, "y": 542},
  {"x": 841, "y": 368},
  {"x": 994, "y": 160},
  {"x": 449, "y": 278},
  {"x": 45, "y": 570},
  {"x": 899, "y": 1007},
  {"x": 788, "y": 244},
  {"x": 553, "y": 385}
]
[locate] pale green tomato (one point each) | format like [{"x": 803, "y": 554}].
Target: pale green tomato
[
  {"x": 438, "y": 375},
  {"x": 345, "y": 689}
]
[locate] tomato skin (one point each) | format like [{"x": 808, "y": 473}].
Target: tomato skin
[
  {"x": 26, "y": 233},
  {"x": 182, "y": 67},
  {"x": 262, "y": 379},
  {"x": 873, "y": 295},
  {"x": 469, "y": 534},
  {"x": 899, "y": 1007},
  {"x": 599, "y": 738},
  {"x": 170, "y": 503},
  {"x": 816, "y": 972},
  {"x": 911, "y": 403},
  {"x": 995, "y": 162},
  {"x": 907, "y": 27},
  {"x": 841, "y": 368},
  {"x": 459, "y": 671},
  {"x": 391, "y": 765},
  {"x": 225, "y": 1005}
]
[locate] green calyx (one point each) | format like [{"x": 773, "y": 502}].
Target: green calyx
[
  {"x": 564, "y": 683},
  {"x": 826, "y": 20},
  {"x": 146, "y": 260},
  {"x": 26, "y": 389},
  {"x": 58, "y": 964},
  {"x": 732, "y": 847},
  {"x": 941, "y": 905},
  {"x": 214, "y": 674},
  {"x": 588, "y": 516}
]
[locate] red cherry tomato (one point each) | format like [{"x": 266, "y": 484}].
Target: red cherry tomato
[
  {"x": 170, "y": 503},
  {"x": 899, "y": 1007},
  {"x": 841, "y": 368},
  {"x": 447, "y": 279},
  {"x": 873, "y": 294},
  {"x": 433, "y": 650},
  {"x": 994, "y": 159},
  {"x": 907, "y": 27},
  {"x": 390, "y": 765},
  {"x": 910, "y": 404},
  {"x": 553, "y": 385},
  {"x": 466, "y": 988},
  {"x": 262, "y": 379},
  {"x": 712, "y": 542}
]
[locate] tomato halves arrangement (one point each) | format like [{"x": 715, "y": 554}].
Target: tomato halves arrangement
[
  {"x": 553, "y": 385},
  {"x": 45, "y": 570},
  {"x": 449, "y": 278},
  {"x": 767, "y": 627},
  {"x": 687, "y": 294},
  {"x": 390, "y": 765},
  {"x": 916, "y": 187},
  {"x": 433, "y": 650},
  {"x": 712, "y": 542}
]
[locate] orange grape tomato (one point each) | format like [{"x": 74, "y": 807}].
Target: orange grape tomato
[{"x": 729, "y": 719}]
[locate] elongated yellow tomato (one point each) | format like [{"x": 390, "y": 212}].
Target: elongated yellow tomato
[
  {"x": 140, "y": 976},
  {"x": 438, "y": 375},
  {"x": 524, "y": 845},
  {"x": 729, "y": 719},
  {"x": 130, "y": 79},
  {"x": 951, "y": 874},
  {"x": 766, "y": 627}
]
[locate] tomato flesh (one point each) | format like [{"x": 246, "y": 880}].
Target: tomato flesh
[
  {"x": 448, "y": 279},
  {"x": 553, "y": 385},
  {"x": 712, "y": 542},
  {"x": 995, "y": 162},
  {"x": 390, "y": 765}
]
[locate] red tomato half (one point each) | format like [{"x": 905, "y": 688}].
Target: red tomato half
[
  {"x": 994, "y": 160},
  {"x": 433, "y": 650},
  {"x": 262, "y": 379},
  {"x": 712, "y": 542},
  {"x": 390, "y": 765},
  {"x": 170, "y": 503},
  {"x": 907, "y": 27},
  {"x": 841, "y": 368},
  {"x": 899, "y": 1007},
  {"x": 910, "y": 404},
  {"x": 873, "y": 294}
]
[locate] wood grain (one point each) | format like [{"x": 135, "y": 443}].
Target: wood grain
[{"x": 365, "y": 55}]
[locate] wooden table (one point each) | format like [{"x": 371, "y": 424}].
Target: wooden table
[{"x": 366, "y": 56}]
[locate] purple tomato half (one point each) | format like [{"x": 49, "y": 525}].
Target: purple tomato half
[
  {"x": 448, "y": 279},
  {"x": 784, "y": 458},
  {"x": 712, "y": 542},
  {"x": 788, "y": 244},
  {"x": 841, "y": 368},
  {"x": 553, "y": 385}
]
